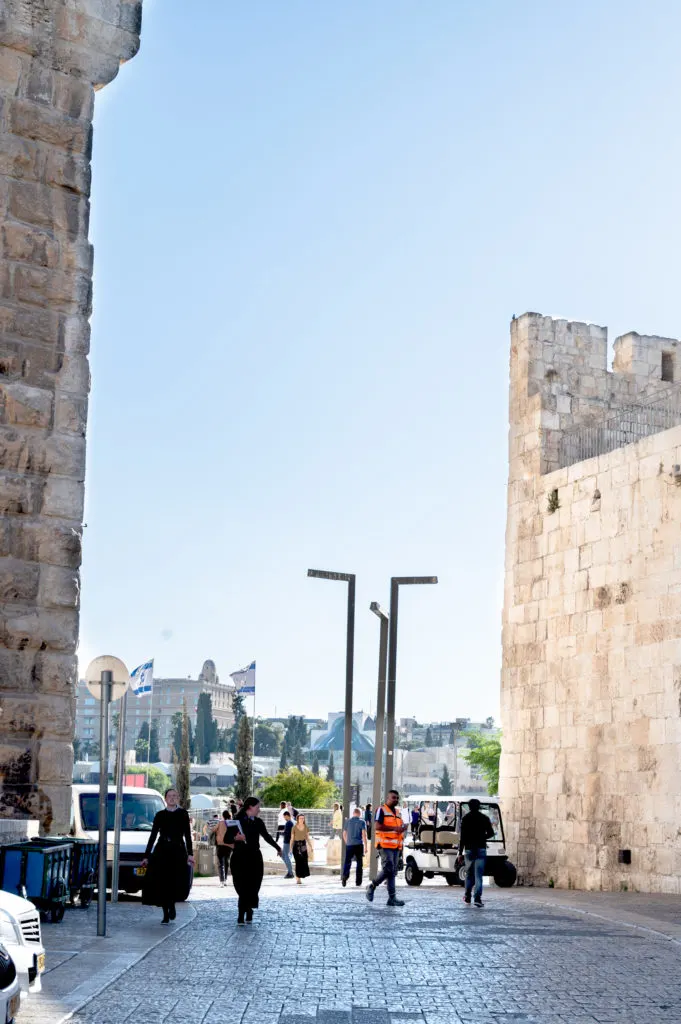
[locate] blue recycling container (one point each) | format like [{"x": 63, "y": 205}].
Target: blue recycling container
[
  {"x": 84, "y": 865},
  {"x": 40, "y": 873}
]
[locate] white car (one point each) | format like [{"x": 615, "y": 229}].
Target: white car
[
  {"x": 10, "y": 997},
  {"x": 20, "y": 934}
]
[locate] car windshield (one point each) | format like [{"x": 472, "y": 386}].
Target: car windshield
[
  {"x": 492, "y": 812},
  {"x": 138, "y": 811}
]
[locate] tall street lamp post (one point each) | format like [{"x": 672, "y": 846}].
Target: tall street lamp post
[
  {"x": 349, "y": 578},
  {"x": 395, "y": 583},
  {"x": 380, "y": 724}
]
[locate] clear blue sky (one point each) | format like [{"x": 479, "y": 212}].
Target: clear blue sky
[{"x": 312, "y": 224}]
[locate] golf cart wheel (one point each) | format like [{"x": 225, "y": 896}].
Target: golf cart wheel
[
  {"x": 451, "y": 878},
  {"x": 506, "y": 876},
  {"x": 412, "y": 875},
  {"x": 461, "y": 874}
]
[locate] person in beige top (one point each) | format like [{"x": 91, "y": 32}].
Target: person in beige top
[
  {"x": 223, "y": 848},
  {"x": 301, "y": 845}
]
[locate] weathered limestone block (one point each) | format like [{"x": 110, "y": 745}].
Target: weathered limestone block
[
  {"x": 54, "y": 54},
  {"x": 592, "y": 619}
]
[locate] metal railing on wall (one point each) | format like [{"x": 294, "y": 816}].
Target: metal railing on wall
[{"x": 628, "y": 425}]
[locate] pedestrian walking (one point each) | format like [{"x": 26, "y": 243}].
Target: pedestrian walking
[
  {"x": 286, "y": 846},
  {"x": 336, "y": 821},
  {"x": 246, "y": 863},
  {"x": 415, "y": 819},
  {"x": 476, "y": 829},
  {"x": 291, "y": 810},
  {"x": 281, "y": 821},
  {"x": 368, "y": 820},
  {"x": 224, "y": 844},
  {"x": 390, "y": 831},
  {"x": 168, "y": 858},
  {"x": 301, "y": 844},
  {"x": 355, "y": 839}
]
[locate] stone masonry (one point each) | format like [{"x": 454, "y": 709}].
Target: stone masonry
[
  {"x": 53, "y": 55},
  {"x": 591, "y": 678}
]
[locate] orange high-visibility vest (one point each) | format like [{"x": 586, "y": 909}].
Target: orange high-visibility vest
[{"x": 389, "y": 840}]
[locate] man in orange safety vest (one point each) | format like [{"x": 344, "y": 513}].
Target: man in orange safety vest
[{"x": 388, "y": 835}]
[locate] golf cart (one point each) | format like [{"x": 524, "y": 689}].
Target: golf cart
[{"x": 433, "y": 848}]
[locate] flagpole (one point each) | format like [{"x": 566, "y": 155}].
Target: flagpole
[
  {"x": 151, "y": 701},
  {"x": 253, "y": 748}
]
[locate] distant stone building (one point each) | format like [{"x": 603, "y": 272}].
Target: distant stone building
[
  {"x": 166, "y": 698},
  {"x": 591, "y": 679}
]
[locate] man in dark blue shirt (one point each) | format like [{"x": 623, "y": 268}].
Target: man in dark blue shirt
[
  {"x": 286, "y": 848},
  {"x": 355, "y": 839}
]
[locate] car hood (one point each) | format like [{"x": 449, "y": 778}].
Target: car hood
[{"x": 15, "y": 905}]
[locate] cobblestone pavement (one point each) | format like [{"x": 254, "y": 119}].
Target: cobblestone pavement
[{"x": 321, "y": 953}]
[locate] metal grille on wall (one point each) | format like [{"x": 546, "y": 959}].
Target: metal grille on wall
[{"x": 629, "y": 424}]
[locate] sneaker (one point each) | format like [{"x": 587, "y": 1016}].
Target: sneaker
[
  {"x": 467, "y": 899},
  {"x": 394, "y": 902},
  {"x": 370, "y": 893},
  {"x": 289, "y": 876},
  {"x": 478, "y": 902},
  {"x": 344, "y": 882}
]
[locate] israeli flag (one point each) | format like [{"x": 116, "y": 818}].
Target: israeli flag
[
  {"x": 244, "y": 680},
  {"x": 142, "y": 679}
]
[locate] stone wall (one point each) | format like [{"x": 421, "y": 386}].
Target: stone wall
[
  {"x": 53, "y": 55},
  {"x": 591, "y": 679}
]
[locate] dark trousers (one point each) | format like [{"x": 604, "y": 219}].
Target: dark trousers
[
  {"x": 353, "y": 853},
  {"x": 224, "y": 853},
  {"x": 389, "y": 861}
]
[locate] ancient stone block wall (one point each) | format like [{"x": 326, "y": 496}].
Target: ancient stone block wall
[
  {"x": 591, "y": 679},
  {"x": 53, "y": 55}
]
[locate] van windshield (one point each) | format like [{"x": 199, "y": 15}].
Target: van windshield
[{"x": 138, "y": 811}]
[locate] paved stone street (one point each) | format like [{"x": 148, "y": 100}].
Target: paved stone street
[{"x": 324, "y": 954}]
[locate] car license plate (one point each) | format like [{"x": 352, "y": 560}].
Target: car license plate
[
  {"x": 13, "y": 1008},
  {"x": 41, "y": 963},
  {"x": 140, "y": 872}
]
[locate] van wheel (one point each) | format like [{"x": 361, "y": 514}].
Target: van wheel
[
  {"x": 412, "y": 875},
  {"x": 506, "y": 876},
  {"x": 451, "y": 879}
]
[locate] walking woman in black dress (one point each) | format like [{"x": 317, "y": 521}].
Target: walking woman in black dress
[
  {"x": 247, "y": 865},
  {"x": 168, "y": 878}
]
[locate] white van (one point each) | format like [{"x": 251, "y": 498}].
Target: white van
[{"x": 139, "y": 807}]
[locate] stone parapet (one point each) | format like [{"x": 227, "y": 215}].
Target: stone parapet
[{"x": 54, "y": 54}]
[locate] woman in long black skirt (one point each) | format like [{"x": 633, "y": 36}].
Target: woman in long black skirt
[
  {"x": 247, "y": 865},
  {"x": 168, "y": 877}
]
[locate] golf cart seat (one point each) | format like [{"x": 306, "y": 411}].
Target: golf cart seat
[{"x": 444, "y": 837}]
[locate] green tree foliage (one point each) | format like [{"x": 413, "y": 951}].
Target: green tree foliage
[
  {"x": 315, "y": 765},
  {"x": 77, "y": 749},
  {"x": 330, "y": 771},
  {"x": 158, "y": 779},
  {"x": 283, "y": 760},
  {"x": 243, "y": 759},
  {"x": 204, "y": 736},
  {"x": 297, "y": 756},
  {"x": 267, "y": 741},
  {"x": 183, "y": 761},
  {"x": 239, "y": 710},
  {"x": 445, "y": 784},
  {"x": 142, "y": 744},
  {"x": 303, "y": 789},
  {"x": 154, "y": 750},
  {"x": 429, "y": 737},
  {"x": 484, "y": 753}
]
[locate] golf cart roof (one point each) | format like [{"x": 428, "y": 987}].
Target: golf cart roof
[{"x": 431, "y": 798}]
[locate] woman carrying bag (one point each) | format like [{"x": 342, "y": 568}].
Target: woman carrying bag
[
  {"x": 303, "y": 850},
  {"x": 246, "y": 863},
  {"x": 168, "y": 876}
]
